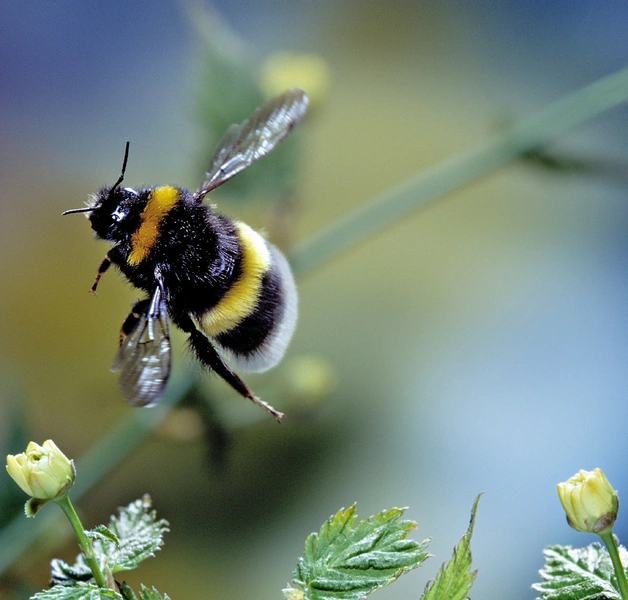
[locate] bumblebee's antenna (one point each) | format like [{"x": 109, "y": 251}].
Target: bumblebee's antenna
[
  {"x": 77, "y": 210},
  {"x": 121, "y": 178},
  {"x": 115, "y": 185}
]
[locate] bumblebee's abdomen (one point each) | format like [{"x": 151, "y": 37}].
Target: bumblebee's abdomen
[
  {"x": 255, "y": 318},
  {"x": 240, "y": 300}
]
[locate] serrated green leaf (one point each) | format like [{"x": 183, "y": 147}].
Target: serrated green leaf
[
  {"x": 133, "y": 536},
  {"x": 100, "y": 532},
  {"x": 64, "y": 574},
  {"x": 455, "y": 578},
  {"x": 577, "y": 574},
  {"x": 139, "y": 536},
  {"x": 152, "y": 594},
  {"x": 344, "y": 561},
  {"x": 81, "y": 591},
  {"x": 126, "y": 591}
]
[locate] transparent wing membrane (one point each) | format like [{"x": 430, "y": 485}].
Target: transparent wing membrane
[
  {"x": 244, "y": 144},
  {"x": 144, "y": 356}
]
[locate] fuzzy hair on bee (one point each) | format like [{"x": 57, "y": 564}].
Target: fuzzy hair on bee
[{"x": 215, "y": 278}]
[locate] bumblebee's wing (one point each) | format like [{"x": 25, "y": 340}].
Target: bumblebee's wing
[
  {"x": 243, "y": 144},
  {"x": 144, "y": 356}
]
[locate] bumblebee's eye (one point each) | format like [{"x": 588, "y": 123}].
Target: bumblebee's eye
[
  {"x": 119, "y": 213},
  {"x": 123, "y": 198}
]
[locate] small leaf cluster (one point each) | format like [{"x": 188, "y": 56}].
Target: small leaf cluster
[
  {"x": 346, "y": 560},
  {"x": 93, "y": 592},
  {"x": 349, "y": 559},
  {"x": 132, "y": 536},
  {"x": 578, "y": 573}
]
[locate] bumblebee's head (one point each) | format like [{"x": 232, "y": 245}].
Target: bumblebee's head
[
  {"x": 111, "y": 210},
  {"x": 113, "y": 213}
]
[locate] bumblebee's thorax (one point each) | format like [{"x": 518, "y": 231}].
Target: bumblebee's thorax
[{"x": 160, "y": 202}]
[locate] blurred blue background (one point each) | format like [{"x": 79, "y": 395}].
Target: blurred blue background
[{"x": 478, "y": 346}]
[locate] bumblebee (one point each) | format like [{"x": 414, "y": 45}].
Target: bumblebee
[{"x": 215, "y": 278}]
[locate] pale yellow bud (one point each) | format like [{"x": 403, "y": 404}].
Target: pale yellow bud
[
  {"x": 589, "y": 501},
  {"x": 43, "y": 472},
  {"x": 291, "y": 593},
  {"x": 310, "y": 378},
  {"x": 284, "y": 70}
]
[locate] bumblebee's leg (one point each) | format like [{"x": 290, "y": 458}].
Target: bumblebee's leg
[
  {"x": 137, "y": 311},
  {"x": 208, "y": 355},
  {"x": 102, "y": 269}
]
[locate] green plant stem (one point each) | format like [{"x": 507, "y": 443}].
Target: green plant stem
[
  {"x": 84, "y": 543},
  {"x": 435, "y": 182},
  {"x": 611, "y": 545}
]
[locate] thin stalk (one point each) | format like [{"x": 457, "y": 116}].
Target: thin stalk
[
  {"x": 84, "y": 542},
  {"x": 435, "y": 182},
  {"x": 611, "y": 545}
]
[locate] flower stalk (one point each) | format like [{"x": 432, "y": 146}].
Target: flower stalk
[
  {"x": 85, "y": 544},
  {"x": 613, "y": 551}
]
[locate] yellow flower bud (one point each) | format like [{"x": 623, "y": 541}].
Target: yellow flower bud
[
  {"x": 308, "y": 380},
  {"x": 589, "y": 501},
  {"x": 284, "y": 70},
  {"x": 43, "y": 472},
  {"x": 291, "y": 593}
]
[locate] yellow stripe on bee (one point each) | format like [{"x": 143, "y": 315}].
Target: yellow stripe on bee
[
  {"x": 160, "y": 202},
  {"x": 241, "y": 298}
]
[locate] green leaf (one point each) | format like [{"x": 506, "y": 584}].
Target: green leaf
[
  {"x": 139, "y": 536},
  {"x": 347, "y": 560},
  {"x": 578, "y": 573},
  {"x": 64, "y": 574},
  {"x": 100, "y": 532},
  {"x": 455, "y": 578},
  {"x": 82, "y": 591},
  {"x": 133, "y": 536},
  {"x": 126, "y": 591},
  {"x": 152, "y": 594}
]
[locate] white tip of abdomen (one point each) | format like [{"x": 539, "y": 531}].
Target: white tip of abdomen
[{"x": 272, "y": 350}]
